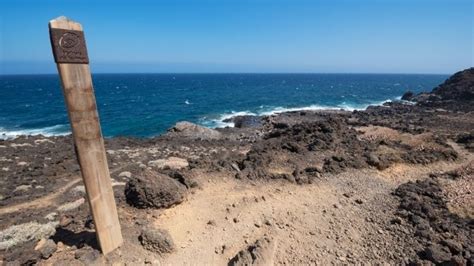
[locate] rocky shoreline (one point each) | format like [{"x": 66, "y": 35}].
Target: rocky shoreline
[{"x": 44, "y": 218}]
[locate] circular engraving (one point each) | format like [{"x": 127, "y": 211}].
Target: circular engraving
[{"x": 69, "y": 40}]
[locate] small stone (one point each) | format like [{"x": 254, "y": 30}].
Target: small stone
[
  {"x": 60, "y": 246},
  {"x": 51, "y": 216},
  {"x": 236, "y": 220},
  {"x": 156, "y": 240},
  {"x": 359, "y": 201},
  {"x": 46, "y": 248},
  {"x": 22, "y": 188},
  {"x": 87, "y": 255},
  {"x": 258, "y": 224},
  {"x": 65, "y": 220},
  {"x": 125, "y": 174},
  {"x": 78, "y": 190},
  {"x": 71, "y": 205},
  {"x": 347, "y": 195},
  {"x": 235, "y": 166},
  {"x": 436, "y": 254},
  {"x": 212, "y": 222},
  {"x": 396, "y": 220},
  {"x": 22, "y": 163}
]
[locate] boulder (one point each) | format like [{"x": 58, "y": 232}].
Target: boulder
[
  {"x": 154, "y": 190},
  {"x": 408, "y": 96},
  {"x": 156, "y": 240},
  {"x": 193, "y": 131}
]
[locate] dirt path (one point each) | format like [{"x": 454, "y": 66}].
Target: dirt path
[
  {"x": 48, "y": 199},
  {"x": 40, "y": 202},
  {"x": 343, "y": 218}
]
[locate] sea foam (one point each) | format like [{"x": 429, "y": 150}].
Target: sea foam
[
  {"x": 56, "y": 130},
  {"x": 219, "y": 121}
]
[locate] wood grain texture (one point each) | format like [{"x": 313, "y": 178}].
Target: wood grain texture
[{"x": 81, "y": 104}]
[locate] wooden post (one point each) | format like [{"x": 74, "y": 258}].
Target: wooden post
[{"x": 70, "y": 54}]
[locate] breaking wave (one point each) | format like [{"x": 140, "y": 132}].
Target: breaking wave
[
  {"x": 57, "y": 130},
  {"x": 220, "y": 120}
]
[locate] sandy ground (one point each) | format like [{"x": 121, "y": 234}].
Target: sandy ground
[{"x": 321, "y": 223}]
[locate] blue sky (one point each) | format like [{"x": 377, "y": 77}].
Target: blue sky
[{"x": 364, "y": 36}]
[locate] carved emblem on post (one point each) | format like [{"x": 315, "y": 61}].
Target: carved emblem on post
[{"x": 69, "y": 46}]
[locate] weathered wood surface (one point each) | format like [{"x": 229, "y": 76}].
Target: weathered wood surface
[{"x": 81, "y": 104}]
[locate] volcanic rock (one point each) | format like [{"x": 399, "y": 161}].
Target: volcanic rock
[
  {"x": 259, "y": 253},
  {"x": 245, "y": 121},
  {"x": 156, "y": 240},
  {"x": 46, "y": 247},
  {"x": 154, "y": 190},
  {"x": 459, "y": 87},
  {"x": 408, "y": 96}
]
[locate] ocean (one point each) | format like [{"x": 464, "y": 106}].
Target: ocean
[{"x": 146, "y": 105}]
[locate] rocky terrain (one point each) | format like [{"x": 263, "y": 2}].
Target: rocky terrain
[{"x": 391, "y": 184}]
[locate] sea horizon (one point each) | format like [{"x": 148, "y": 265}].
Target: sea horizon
[{"x": 232, "y": 73}]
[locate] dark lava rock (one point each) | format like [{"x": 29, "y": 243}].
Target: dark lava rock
[
  {"x": 154, "y": 190},
  {"x": 436, "y": 254},
  {"x": 408, "y": 96},
  {"x": 87, "y": 255},
  {"x": 456, "y": 93},
  {"x": 156, "y": 240},
  {"x": 459, "y": 87},
  {"x": 259, "y": 253},
  {"x": 47, "y": 248},
  {"x": 245, "y": 121},
  {"x": 445, "y": 236},
  {"x": 467, "y": 139}
]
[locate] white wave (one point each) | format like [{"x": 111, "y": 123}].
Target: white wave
[
  {"x": 57, "y": 130},
  {"x": 219, "y": 121},
  {"x": 279, "y": 110}
]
